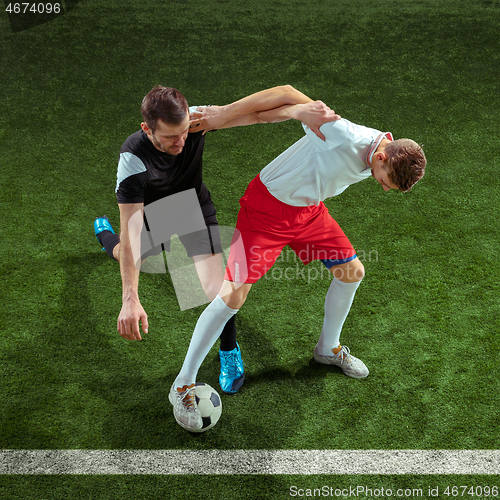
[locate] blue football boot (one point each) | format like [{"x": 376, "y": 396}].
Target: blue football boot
[
  {"x": 102, "y": 224},
  {"x": 231, "y": 370}
]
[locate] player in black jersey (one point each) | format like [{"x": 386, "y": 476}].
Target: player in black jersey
[{"x": 163, "y": 160}]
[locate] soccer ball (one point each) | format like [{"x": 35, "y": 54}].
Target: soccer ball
[{"x": 209, "y": 405}]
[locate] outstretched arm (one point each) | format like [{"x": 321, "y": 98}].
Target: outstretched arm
[
  {"x": 268, "y": 106},
  {"x": 216, "y": 117},
  {"x": 132, "y": 311}
]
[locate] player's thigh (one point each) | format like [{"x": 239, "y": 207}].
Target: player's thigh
[{"x": 321, "y": 238}]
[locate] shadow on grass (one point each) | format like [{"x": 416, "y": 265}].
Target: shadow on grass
[{"x": 75, "y": 383}]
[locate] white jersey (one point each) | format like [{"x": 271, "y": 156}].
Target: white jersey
[{"x": 312, "y": 170}]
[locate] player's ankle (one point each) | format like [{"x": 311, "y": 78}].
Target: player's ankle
[
  {"x": 327, "y": 350},
  {"x": 182, "y": 383},
  {"x": 337, "y": 349}
]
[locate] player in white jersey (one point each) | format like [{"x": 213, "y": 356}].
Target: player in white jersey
[{"x": 284, "y": 205}]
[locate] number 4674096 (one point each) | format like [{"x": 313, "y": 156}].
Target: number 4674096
[{"x": 33, "y": 8}]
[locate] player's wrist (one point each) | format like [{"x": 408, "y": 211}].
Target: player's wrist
[
  {"x": 130, "y": 295},
  {"x": 295, "y": 112},
  {"x": 227, "y": 113}
]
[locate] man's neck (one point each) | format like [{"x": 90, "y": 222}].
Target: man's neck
[{"x": 383, "y": 143}]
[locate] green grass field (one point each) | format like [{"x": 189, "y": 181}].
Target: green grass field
[{"x": 425, "y": 320}]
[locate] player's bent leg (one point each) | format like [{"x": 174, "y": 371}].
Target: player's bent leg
[
  {"x": 232, "y": 372},
  {"x": 207, "y": 331},
  {"x": 338, "y": 301}
]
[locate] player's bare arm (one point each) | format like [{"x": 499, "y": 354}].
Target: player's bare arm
[
  {"x": 243, "y": 112},
  {"x": 313, "y": 114},
  {"x": 132, "y": 312}
]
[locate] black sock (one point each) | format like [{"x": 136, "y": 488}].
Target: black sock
[
  {"x": 109, "y": 241},
  {"x": 228, "y": 335}
]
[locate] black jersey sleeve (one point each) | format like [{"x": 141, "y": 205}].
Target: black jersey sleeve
[{"x": 131, "y": 179}]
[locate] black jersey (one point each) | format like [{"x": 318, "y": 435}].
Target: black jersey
[{"x": 146, "y": 175}]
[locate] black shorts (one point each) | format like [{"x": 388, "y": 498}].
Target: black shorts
[{"x": 204, "y": 242}]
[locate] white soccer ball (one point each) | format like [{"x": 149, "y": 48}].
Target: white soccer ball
[{"x": 209, "y": 405}]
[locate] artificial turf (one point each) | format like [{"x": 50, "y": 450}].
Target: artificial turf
[{"x": 425, "y": 320}]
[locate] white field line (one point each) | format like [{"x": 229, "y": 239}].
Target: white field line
[{"x": 293, "y": 462}]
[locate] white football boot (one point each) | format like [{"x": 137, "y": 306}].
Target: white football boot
[
  {"x": 186, "y": 411},
  {"x": 351, "y": 366}
]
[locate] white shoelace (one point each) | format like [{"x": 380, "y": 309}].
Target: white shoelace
[{"x": 344, "y": 355}]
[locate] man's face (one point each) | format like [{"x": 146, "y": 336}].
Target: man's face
[
  {"x": 380, "y": 172},
  {"x": 168, "y": 138}
]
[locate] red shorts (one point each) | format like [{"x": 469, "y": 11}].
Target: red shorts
[{"x": 265, "y": 226}]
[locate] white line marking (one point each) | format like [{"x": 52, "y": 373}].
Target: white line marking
[{"x": 293, "y": 462}]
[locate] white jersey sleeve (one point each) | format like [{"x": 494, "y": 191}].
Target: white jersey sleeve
[
  {"x": 335, "y": 134},
  {"x": 194, "y": 109}
]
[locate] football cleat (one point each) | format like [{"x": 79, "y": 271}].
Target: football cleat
[
  {"x": 102, "y": 224},
  {"x": 351, "y": 366},
  {"x": 232, "y": 375},
  {"x": 186, "y": 411}
]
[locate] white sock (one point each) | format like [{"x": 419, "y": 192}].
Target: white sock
[
  {"x": 337, "y": 305},
  {"x": 208, "y": 329}
]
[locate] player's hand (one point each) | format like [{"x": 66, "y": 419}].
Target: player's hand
[
  {"x": 128, "y": 321},
  {"x": 206, "y": 119},
  {"x": 316, "y": 113}
]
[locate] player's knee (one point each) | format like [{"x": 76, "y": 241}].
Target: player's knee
[
  {"x": 234, "y": 295},
  {"x": 234, "y": 300},
  {"x": 358, "y": 271},
  {"x": 350, "y": 272},
  {"x": 211, "y": 290}
]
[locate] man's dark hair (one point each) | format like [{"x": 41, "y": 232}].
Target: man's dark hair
[{"x": 163, "y": 103}]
